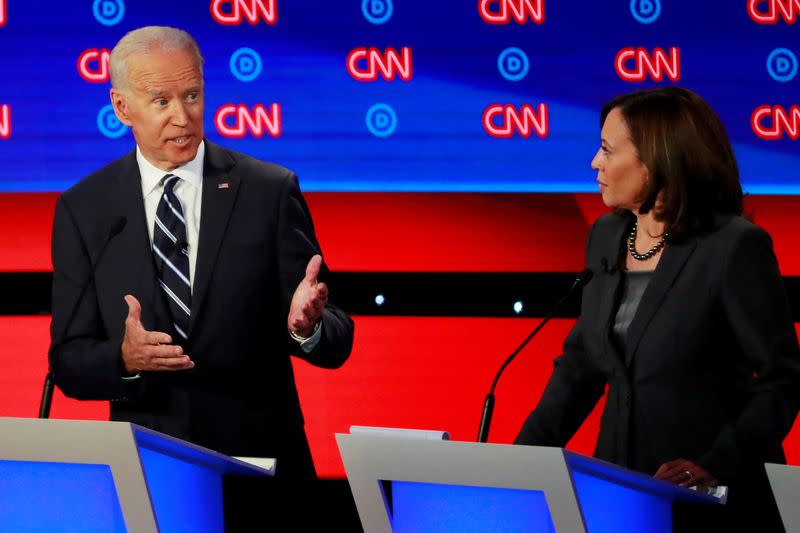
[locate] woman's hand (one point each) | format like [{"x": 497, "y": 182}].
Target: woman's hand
[{"x": 686, "y": 474}]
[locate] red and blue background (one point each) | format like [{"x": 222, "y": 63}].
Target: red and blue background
[{"x": 434, "y": 140}]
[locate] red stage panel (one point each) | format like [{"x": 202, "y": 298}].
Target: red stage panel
[
  {"x": 428, "y": 373},
  {"x": 422, "y": 232},
  {"x": 24, "y": 341}
]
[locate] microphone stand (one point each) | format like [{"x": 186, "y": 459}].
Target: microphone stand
[{"x": 488, "y": 405}]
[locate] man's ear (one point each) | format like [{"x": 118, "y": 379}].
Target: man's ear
[{"x": 120, "y": 103}]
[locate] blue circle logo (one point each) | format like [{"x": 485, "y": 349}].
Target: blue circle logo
[
  {"x": 108, "y": 123},
  {"x": 513, "y": 64},
  {"x": 381, "y": 120},
  {"x": 646, "y": 11},
  {"x": 782, "y": 65},
  {"x": 245, "y": 64},
  {"x": 377, "y": 11},
  {"x": 108, "y": 12}
]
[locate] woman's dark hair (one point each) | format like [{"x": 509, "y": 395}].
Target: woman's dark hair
[{"x": 689, "y": 158}]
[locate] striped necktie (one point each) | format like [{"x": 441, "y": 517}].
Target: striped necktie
[{"x": 171, "y": 254}]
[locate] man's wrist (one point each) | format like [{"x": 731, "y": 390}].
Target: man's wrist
[{"x": 302, "y": 338}]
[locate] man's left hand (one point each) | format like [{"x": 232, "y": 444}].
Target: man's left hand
[
  {"x": 309, "y": 300},
  {"x": 686, "y": 474}
]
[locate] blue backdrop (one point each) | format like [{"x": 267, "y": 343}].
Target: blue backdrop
[{"x": 426, "y": 133}]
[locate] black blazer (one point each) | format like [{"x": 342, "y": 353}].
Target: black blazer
[
  {"x": 256, "y": 237},
  {"x": 711, "y": 371}
]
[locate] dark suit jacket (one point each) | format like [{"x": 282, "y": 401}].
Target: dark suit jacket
[
  {"x": 711, "y": 371},
  {"x": 256, "y": 237}
]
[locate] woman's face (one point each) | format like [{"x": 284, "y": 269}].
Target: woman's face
[{"x": 621, "y": 175}]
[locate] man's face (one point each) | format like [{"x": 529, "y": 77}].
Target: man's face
[{"x": 163, "y": 105}]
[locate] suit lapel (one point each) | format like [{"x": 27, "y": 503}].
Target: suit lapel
[
  {"x": 670, "y": 265},
  {"x": 220, "y": 188},
  {"x": 132, "y": 255},
  {"x": 611, "y": 280}
]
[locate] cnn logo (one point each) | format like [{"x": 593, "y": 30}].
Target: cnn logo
[
  {"x": 771, "y": 11},
  {"x": 504, "y": 121},
  {"x": 772, "y": 122},
  {"x": 364, "y": 64},
  {"x": 235, "y": 121},
  {"x": 233, "y": 12},
  {"x": 504, "y": 11},
  {"x": 5, "y": 121},
  {"x": 93, "y": 65},
  {"x": 636, "y": 64}
]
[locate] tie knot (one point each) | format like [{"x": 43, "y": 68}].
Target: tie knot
[{"x": 169, "y": 181}]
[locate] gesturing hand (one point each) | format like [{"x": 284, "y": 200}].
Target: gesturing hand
[
  {"x": 308, "y": 301},
  {"x": 148, "y": 350},
  {"x": 685, "y": 473}
]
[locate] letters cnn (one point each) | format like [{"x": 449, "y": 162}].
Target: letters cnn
[
  {"x": 772, "y": 122},
  {"x": 93, "y": 65},
  {"x": 5, "y": 121},
  {"x": 504, "y": 11},
  {"x": 365, "y": 64},
  {"x": 233, "y": 12},
  {"x": 636, "y": 64},
  {"x": 234, "y": 121},
  {"x": 503, "y": 121},
  {"x": 773, "y": 11}
]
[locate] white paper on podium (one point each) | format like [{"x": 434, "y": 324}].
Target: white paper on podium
[
  {"x": 400, "y": 433},
  {"x": 720, "y": 492},
  {"x": 267, "y": 463}
]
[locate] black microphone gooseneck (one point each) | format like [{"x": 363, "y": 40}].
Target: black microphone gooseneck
[
  {"x": 47, "y": 391},
  {"x": 488, "y": 405}
]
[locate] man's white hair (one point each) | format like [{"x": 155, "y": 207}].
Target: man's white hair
[{"x": 145, "y": 40}]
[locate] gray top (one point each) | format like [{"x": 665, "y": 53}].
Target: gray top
[{"x": 634, "y": 283}]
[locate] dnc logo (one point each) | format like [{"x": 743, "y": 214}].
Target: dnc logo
[
  {"x": 245, "y": 64},
  {"x": 108, "y": 12},
  {"x": 108, "y": 123},
  {"x": 377, "y": 11}
]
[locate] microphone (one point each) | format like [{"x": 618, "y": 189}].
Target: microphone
[
  {"x": 47, "y": 391},
  {"x": 488, "y": 405}
]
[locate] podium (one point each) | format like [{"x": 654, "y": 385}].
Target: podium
[
  {"x": 785, "y": 483},
  {"x": 79, "y": 475},
  {"x": 404, "y": 485}
]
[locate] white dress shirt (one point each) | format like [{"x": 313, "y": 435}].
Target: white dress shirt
[{"x": 189, "y": 191}]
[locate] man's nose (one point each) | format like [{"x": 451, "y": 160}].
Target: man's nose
[{"x": 179, "y": 115}]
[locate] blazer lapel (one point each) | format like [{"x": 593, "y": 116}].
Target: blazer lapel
[
  {"x": 611, "y": 279},
  {"x": 670, "y": 265},
  {"x": 132, "y": 253},
  {"x": 220, "y": 188}
]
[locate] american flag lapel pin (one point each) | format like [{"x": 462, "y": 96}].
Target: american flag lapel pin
[{"x": 223, "y": 184}]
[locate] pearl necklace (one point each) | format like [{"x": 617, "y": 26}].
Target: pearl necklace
[{"x": 649, "y": 253}]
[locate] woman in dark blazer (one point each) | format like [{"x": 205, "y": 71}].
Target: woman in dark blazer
[{"x": 686, "y": 319}]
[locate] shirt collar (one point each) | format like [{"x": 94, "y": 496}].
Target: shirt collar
[{"x": 191, "y": 172}]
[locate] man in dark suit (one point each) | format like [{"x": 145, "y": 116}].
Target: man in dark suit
[{"x": 204, "y": 274}]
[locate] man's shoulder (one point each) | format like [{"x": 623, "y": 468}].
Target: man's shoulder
[
  {"x": 102, "y": 181},
  {"x": 245, "y": 166}
]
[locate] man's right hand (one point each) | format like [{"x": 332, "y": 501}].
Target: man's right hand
[{"x": 148, "y": 350}]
